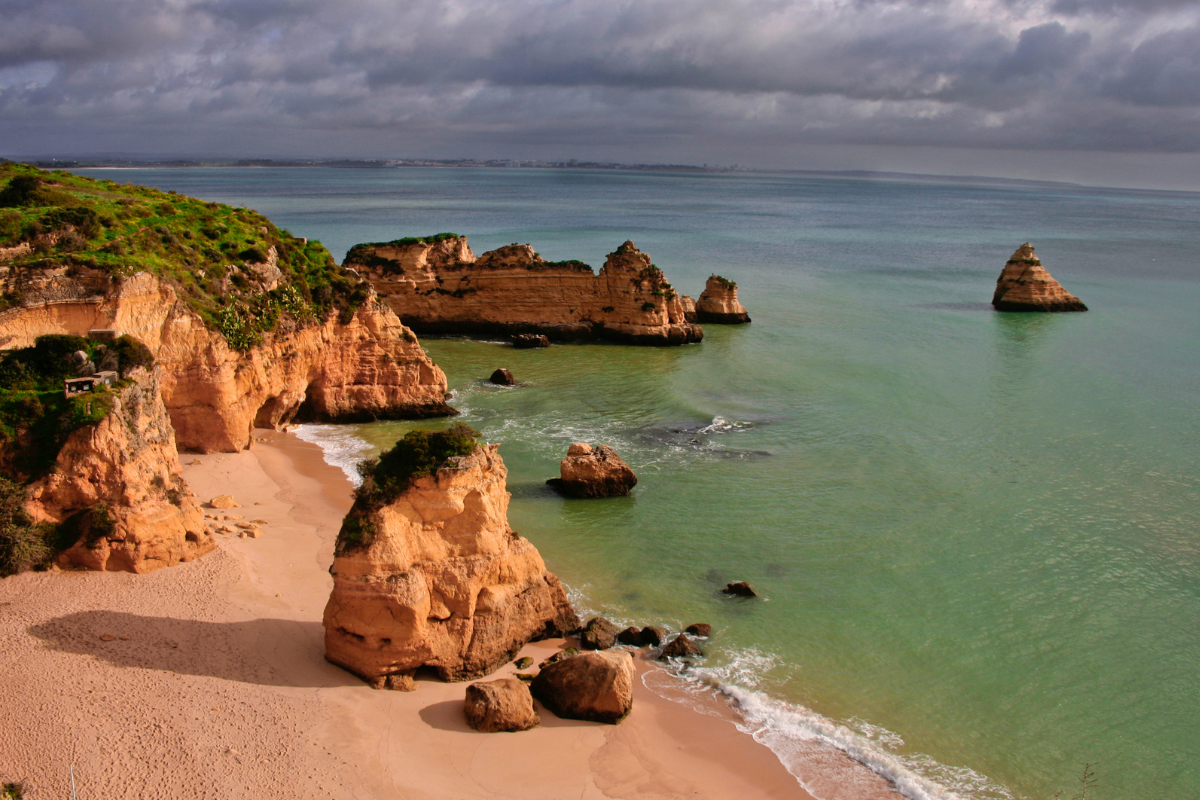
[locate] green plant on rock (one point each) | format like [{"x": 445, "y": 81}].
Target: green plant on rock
[
  {"x": 24, "y": 544},
  {"x": 418, "y": 454}
]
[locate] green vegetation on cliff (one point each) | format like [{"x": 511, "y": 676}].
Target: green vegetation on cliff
[
  {"x": 419, "y": 454},
  {"x": 221, "y": 260}
]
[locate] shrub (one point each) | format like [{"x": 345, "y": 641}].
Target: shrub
[
  {"x": 23, "y": 543},
  {"x": 647, "y": 306},
  {"x": 20, "y": 191},
  {"x": 131, "y": 354},
  {"x": 417, "y": 455}
]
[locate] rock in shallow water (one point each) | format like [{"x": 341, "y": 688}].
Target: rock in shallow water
[
  {"x": 681, "y": 647},
  {"x": 500, "y": 705},
  {"x": 592, "y": 686},
  {"x": 502, "y": 377},
  {"x": 740, "y": 589},
  {"x": 593, "y": 472},
  {"x": 1025, "y": 285},
  {"x": 699, "y": 629},
  {"x": 529, "y": 341},
  {"x": 719, "y": 304},
  {"x": 598, "y": 634}
]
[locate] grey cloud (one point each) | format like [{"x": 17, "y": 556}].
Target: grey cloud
[{"x": 382, "y": 74}]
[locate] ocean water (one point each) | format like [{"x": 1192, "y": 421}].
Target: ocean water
[{"x": 976, "y": 535}]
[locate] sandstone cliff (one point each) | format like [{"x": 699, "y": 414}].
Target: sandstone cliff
[
  {"x": 118, "y": 486},
  {"x": 718, "y": 304},
  {"x": 369, "y": 367},
  {"x": 436, "y": 578},
  {"x": 438, "y": 285},
  {"x": 1025, "y": 285}
]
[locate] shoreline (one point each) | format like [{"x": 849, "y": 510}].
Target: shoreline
[{"x": 209, "y": 678}]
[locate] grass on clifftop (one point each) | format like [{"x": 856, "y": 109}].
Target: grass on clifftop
[
  {"x": 419, "y": 454},
  {"x": 207, "y": 251}
]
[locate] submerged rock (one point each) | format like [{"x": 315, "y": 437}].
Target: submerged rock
[
  {"x": 530, "y": 341},
  {"x": 593, "y": 472},
  {"x": 1025, "y": 285},
  {"x": 500, "y": 705},
  {"x": 592, "y": 686},
  {"x": 719, "y": 305},
  {"x": 598, "y": 634},
  {"x": 740, "y": 589},
  {"x": 437, "y": 578},
  {"x": 503, "y": 377}
]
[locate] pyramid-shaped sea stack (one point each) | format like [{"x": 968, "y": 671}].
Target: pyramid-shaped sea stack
[
  {"x": 432, "y": 576},
  {"x": 1025, "y": 285}
]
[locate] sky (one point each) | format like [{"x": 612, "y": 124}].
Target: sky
[{"x": 1097, "y": 91}]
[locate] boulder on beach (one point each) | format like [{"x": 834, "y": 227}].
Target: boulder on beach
[
  {"x": 630, "y": 636},
  {"x": 530, "y": 341},
  {"x": 503, "y": 377},
  {"x": 592, "y": 686},
  {"x": 681, "y": 647},
  {"x": 223, "y": 501},
  {"x": 718, "y": 304},
  {"x": 593, "y": 472},
  {"x": 500, "y": 705},
  {"x": 1025, "y": 285},
  {"x": 653, "y": 636},
  {"x": 598, "y": 634}
]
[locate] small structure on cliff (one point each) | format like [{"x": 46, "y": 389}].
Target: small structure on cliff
[
  {"x": 436, "y": 284},
  {"x": 718, "y": 304},
  {"x": 427, "y": 572},
  {"x": 593, "y": 472},
  {"x": 1025, "y": 285}
]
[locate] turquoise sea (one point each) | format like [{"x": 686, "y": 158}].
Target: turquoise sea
[{"x": 977, "y": 535}]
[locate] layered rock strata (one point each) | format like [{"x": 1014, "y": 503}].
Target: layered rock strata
[
  {"x": 368, "y": 368},
  {"x": 718, "y": 304},
  {"x": 593, "y": 472},
  {"x": 1025, "y": 285},
  {"x": 442, "y": 287},
  {"x": 119, "y": 485},
  {"x": 441, "y": 581}
]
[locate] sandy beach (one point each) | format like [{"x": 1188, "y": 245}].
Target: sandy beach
[{"x": 208, "y": 680}]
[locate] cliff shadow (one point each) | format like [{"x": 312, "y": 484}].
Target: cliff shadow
[
  {"x": 448, "y": 716},
  {"x": 269, "y": 652}
]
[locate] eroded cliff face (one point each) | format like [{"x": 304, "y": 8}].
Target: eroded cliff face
[
  {"x": 119, "y": 485},
  {"x": 1025, "y": 285},
  {"x": 441, "y": 287},
  {"x": 718, "y": 304},
  {"x": 444, "y": 581},
  {"x": 371, "y": 367}
]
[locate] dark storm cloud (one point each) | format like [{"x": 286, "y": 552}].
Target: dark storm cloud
[{"x": 377, "y": 75}]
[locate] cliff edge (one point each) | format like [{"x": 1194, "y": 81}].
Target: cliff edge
[{"x": 436, "y": 284}]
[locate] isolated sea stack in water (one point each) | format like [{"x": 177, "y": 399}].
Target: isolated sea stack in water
[
  {"x": 1025, "y": 285},
  {"x": 593, "y": 472},
  {"x": 719, "y": 304},
  {"x": 427, "y": 572}
]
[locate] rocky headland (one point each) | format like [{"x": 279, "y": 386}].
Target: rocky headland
[
  {"x": 437, "y": 285},
  {"x": 428, "y": 573},
  {"x": 1025, "y": 285},
  {"x": 252, "y": 326}
]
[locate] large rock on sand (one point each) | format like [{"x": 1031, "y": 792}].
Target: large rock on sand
[
  {"x": 436, "y": 578},
  {"x": 719, "y": 304},
  {"x": 593, "y": 472},
  {"x": 500, "y": 705},
  {"x": 1025, "y": 285},
  {"x": 593, "y": 686}
]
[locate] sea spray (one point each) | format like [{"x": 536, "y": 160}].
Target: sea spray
[{"x": 339, "y": 447}]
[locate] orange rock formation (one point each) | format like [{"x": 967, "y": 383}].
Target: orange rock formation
[
  {"x": 122, "y": 480},
  {"x": 1025, "y": 285},
  {"x": 370, "y": 368},
  {"x": 441, "y": 287},
  {"x": 443, "y": 583},
  {"x": 719, "y": 304}
]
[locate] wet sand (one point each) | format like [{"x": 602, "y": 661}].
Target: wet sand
[{"x": 208, "y": 680}]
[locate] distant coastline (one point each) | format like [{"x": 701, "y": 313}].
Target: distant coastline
[{"x": 473, "y": 163}]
